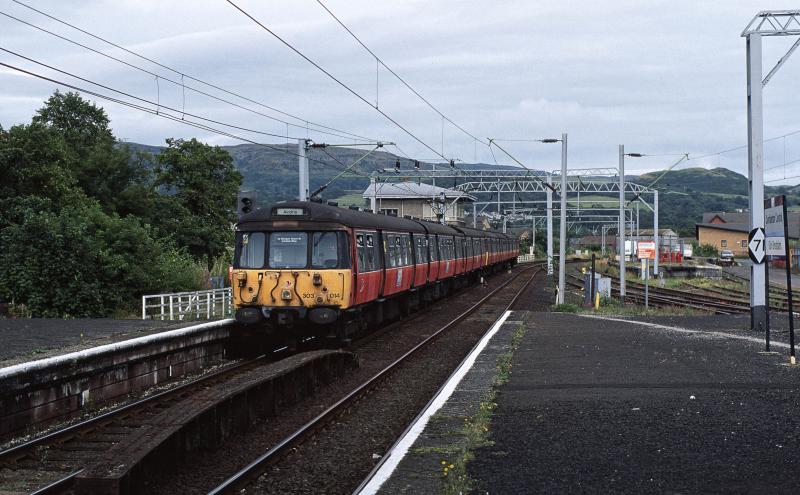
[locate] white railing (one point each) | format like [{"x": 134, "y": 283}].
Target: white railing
[
  {"x": 526, "y": 258},
  {"x": 198, "y": 305}
]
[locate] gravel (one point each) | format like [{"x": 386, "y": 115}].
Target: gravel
[{"x": 336, "y": 460}]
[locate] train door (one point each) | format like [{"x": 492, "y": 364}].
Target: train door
[
  {"x": 420, "y": 259},
  {"x": 433, "y": 258},
  {"x": 368, "y": 277}
]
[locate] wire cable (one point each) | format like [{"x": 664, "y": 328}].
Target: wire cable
[
  {"x": 150, "y": 111},
  {"x": 177, "y": 83},
  {"x": 395, "y": 74},
  {"x": 157, "y": 104},
  {"x": 334, "y": 78}
]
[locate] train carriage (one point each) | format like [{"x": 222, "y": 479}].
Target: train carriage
[{"x": 306, "y": 268}]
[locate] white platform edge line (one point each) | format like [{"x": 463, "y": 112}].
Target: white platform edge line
[
  {"x": 714, "y": 333},
  {"x": 40, "y": 364},
  {"x": 400, "y": 448}
]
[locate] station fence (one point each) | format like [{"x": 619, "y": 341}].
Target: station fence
[
  {"x": 526, "y": 258},
  {"x": 197, "y": 305}
]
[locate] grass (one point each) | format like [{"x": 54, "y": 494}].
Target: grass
[
  {"x": 566, "y": 308},
  {"x": 475, "y": 432},
  {"x": 354, "y": 199}
]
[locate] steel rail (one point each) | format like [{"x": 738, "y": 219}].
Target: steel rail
[
  {"x": 666, "y": 298},
  {"x": 58, "y": 486},
  {"x": 243, "y": 476},
  {"x": 81, "y": 426}
]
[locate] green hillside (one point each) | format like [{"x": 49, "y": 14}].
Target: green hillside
[{"x": 684, "y": 194}]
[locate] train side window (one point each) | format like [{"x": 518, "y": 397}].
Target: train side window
[
  {"x": 458, "y": 251},
  {"x": 434, "y": 255},
  {"x": 388, "y": 250},
  {"x": 370, "y": 252},
  {"x": 406, "y": 245},
  {"x": 421, "y": 249},
  {"x": 468, "y": 248},
  {"x": 365, "y": 247},
  {"x": 361, "y": 253},
  {"x": 397, "y": 253}
]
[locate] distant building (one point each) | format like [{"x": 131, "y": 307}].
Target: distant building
[
  {"x": 423, "y": 201},
  {"x": 729, "y": 230}
]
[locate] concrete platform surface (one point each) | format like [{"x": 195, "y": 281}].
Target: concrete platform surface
[
  {"x": 604, "y": 406},
  {"x": 25, "y": 339}
]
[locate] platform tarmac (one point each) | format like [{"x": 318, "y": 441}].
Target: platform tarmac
[
  {"x": 26, "y": 339},
  {"x": 599, "y": 405}
]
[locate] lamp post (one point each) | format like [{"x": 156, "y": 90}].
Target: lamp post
[
  {"x": 562, "y": 248},
  {"x": 622, "y": 222}
]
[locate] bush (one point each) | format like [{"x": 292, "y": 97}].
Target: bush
[
  {"x": 704, "y": 250},
  {"x": 81, "y": 262}
]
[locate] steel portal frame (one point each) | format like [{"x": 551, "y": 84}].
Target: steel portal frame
[{"x": 765, "y": 23}]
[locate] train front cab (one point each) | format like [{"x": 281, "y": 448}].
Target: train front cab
[{"x": 282, "y": 276}]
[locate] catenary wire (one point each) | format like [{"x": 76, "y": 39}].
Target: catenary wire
[
  {"x": 338, "y": 133},
  {"x": 395, "y": 74},
  {"x": 334, "y": 78},
  {"x": 144, "y": 100},
  {"x": 160, "y": 114}
]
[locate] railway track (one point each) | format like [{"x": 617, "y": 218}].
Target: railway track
[
  {"x": 253, "y": 470},
  {"x": 52, "y": 462},
  {"x": 663, "y": 298},
  {"x": 58, "y": 457}
]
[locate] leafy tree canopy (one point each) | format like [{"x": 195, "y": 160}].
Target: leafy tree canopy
[
  {"x": 86, "y": 227},
  {"x": 201, "y": 183}
]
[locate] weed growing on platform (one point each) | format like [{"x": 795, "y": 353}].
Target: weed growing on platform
[
  {"x": 475, "y": 432},
  {"x": 566, "y": 308}
]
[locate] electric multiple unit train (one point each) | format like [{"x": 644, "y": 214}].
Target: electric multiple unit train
[{"x": 306, "y": 268}]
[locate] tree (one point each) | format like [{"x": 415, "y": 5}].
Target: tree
[
  {"x": 81, "y": 262},
  {"x": 81, "y": 123},
  {"x": 75, "y": 218},
  {"x": 200, "y": 184},
  {"x": 103, "y": 168}
]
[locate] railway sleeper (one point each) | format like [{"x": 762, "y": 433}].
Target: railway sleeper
[{"x": 207, "y": 419}]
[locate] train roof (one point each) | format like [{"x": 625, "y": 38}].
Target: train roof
[{"x": 318, "y": 212}]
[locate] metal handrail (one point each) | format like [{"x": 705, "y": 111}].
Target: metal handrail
[{"x": 203, "y": 304}]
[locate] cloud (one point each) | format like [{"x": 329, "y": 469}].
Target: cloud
[{"x": 661, "y": 77}]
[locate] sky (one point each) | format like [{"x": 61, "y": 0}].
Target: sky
[{"x": 663, "y": 78}]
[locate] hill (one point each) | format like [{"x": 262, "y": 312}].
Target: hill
[
  {"x": 272, "y": 173},
  {"x": 684, "y": 194}
]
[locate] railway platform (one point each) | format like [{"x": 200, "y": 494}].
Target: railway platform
[
  {"x": 603, "y": 404},
  {"x": 26, "y": 339}
]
